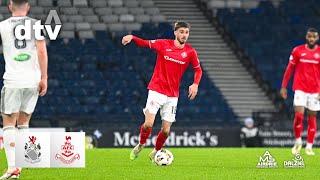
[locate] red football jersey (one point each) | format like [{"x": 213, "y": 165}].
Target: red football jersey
[
  {"x": 307, "y": 71},
  {"x": 171, "y": 63}
]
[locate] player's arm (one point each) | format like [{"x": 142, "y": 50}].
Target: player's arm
[
  {"x": 140, "y": 42},
  {"x": 43, "y": 63},
  {"x": 288, "y": 73},
  {"x": 152, "y": 44},
  {"x": 1, "y": 50},
  {"x": 193, "y": 89}
]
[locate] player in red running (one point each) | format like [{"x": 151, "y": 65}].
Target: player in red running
[
  {"x": 306, "y": 85},
  {"x": 174, "y": 57}
]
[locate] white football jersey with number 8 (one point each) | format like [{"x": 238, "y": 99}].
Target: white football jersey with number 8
[{"x": 22, "y": 67}]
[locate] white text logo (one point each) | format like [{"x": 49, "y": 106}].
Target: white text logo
[
  {"x": 267, "y": 161},
  {"x": 173, "y": 60},
  {"x": 23, "y": 31},
  {"x": 309, "y": 61},
  {"x": 297, "y": 162}
]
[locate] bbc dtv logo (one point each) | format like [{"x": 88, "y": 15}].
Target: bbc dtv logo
[
  {"x": 268, "y": 161},
  {"x": 44, "y": 149}
]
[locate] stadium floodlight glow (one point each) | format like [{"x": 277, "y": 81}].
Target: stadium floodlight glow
[{"x": 24, "y": 31}]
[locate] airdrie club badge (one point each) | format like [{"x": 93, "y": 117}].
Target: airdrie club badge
[
  {"x": 32, "y": 152},
  {"x": 67, "y": 156}
]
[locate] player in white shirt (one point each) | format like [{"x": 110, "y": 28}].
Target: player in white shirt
[{"x": 25, "y": 78}]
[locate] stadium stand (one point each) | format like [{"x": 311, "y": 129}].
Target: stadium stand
[
  {"x": 93, "y": 78},
  {"x": 267, "y": 33}
]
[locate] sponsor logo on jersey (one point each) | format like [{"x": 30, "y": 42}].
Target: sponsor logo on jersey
[
  {"x": 309, "y": 61},
  {"x": 316, "y": 55},
  {"x": 173, "y": 60},
  {"x": 184, "y": 55},
  {"x": 22, "y": 57}
]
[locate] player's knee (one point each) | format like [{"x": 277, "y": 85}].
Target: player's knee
[
  {"x": 165, "y": 131},
  {"x": 298, "y": 117},
  {"x": 148, "y": 125},
  {"x": 312, "y": 113},
  {"x": 12, "y": 144}
]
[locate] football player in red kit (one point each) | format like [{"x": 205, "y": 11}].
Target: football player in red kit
[
  {"x": 305, "y": 59},
  {"x": 173, "y": 58}
]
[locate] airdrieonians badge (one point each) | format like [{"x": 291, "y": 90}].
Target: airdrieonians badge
[{"x": 67, "y": 156}]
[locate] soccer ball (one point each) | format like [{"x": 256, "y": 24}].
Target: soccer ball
[{"x": 163, "y": 157}]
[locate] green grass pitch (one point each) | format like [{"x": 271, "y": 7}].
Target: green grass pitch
[{"x": 189, "y": 163}]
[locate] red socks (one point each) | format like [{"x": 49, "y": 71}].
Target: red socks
[
  {"x": 161, "y": 139},
  {"x": 312, "y": 129},
  {"x": 298, "y": 125},
  {"x": 144, "y": 134}
]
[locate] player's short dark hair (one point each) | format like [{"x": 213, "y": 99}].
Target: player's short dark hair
[
  {"x": 19, "y": 2},
  {"x": 312, "y": 29},
  {"x": 180, "y": 24}
]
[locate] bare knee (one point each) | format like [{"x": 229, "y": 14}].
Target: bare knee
[
  {"x": 299, "y": 109},
  {"x": 12, "y": 144},
  {"x": 148, "y": 125},
  {"x": 149, "y": 119},
  {"x": 165, "y": 131},
  {"x": 312, "y": 113}
]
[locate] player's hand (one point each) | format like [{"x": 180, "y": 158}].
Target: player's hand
[
  {"x": 126, "y": 39},
  {"x": 284, "y": 93},
  {"x": 193, "y": 90},
  {"x": 318, "y": 96},
  {"x": 42, "y": 87}
]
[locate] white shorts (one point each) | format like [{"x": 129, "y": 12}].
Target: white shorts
[
  {"x": 167, "y": 105},
  {"x": 14, "y": 100},
  {"x": 307, "y": 100}
]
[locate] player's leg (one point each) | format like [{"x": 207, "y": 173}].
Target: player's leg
[
  {"x": 10, "y": 103},
  {"x": 28, "y": 103},
  {"x": 313, "y": 106},
  {"x": 9, "y": 131},
  {"x": 300, "y": 102},
  {"x": 168, "y": 115},
  {"x": 29, "y": 100},
  {"x": 23, "y": 124},
  {"x": 145, "y": 132},
  {"x": 312, "y": 129},
  {"x": 153, "y": 104}
]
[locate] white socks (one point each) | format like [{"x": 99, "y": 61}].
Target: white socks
[
  {"x": 21, "y": 129},
  {"x": 9, "y": 146},
  {"x": 309, "y": 146},
  {"x": 298, "y": 140}
]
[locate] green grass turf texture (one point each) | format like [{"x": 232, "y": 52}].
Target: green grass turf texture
[{"x": 189, "y": 163}]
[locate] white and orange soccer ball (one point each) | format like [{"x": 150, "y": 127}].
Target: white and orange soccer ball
[{"x": 163, "y": 157}]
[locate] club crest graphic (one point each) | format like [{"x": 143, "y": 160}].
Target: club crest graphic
[
  {"x": 67, "y": 155},
  {"x": 316, "y": 55},
  {"x": 184, "y": 55},
  {"x": 32, "y": 152}
]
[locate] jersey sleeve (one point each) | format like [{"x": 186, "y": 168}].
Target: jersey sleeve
[
  {"x": 195, "y": 60},
  {"x": 156, "y": 44},
  {"x": 294, "y": 56}
]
